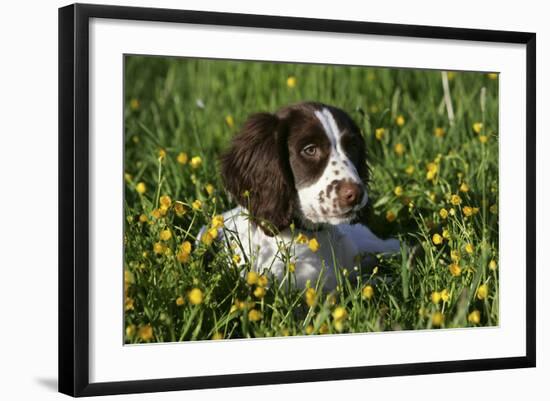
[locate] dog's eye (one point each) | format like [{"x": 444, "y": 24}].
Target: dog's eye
[{"x": 310, "y": 150}]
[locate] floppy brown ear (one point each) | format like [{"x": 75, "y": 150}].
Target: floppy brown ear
[{"x": 256, "y": 171}]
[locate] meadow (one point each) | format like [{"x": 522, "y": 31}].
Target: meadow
[{"x": 432, "y": 146}]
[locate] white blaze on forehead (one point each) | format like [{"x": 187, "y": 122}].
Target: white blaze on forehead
[
  {"x": 337, "y": 154},
  {"x": 316, "y": 202},
  {"x": 329, "y": 125}
]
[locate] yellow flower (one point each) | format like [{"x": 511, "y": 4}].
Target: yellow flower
[
  {"x": 229, "y": 121},
  {"x": 197, "y": 205},
  {"x": 313, "y": 245},
  {"x": 180, "y": 301},
  {"x": 456, "y": 200},
  {"x": 262, "y": 280},
  {"x": 455, "y": 269},
  {"x": 196, "y": 162},
  {"x": 292, "y": 267},
  {"x": 195, "y": 296},
  {"x": 165, "y": 235},
  {"x": 184, "y": 252},
  {"x": 323, "y": 329},
  {"x": 439, "y": 132},
  {"x": 339, "y": 325},
  {"x": 493, "y": 209},
  {"x": 259, "y": 292},
  {"x": 301, "y": 239},
  {"x": 311, "y": 297},
  {"x": 482, "y": 292},
  {"x": 400, "y": 120},
  {"x": 468, "y": 211},
  {"x": 291, "y": 82},
  {"x": 367, "y": 292},
  {"x": 159, "y": 248},
  {"x": 207, "y": 238},
  {"x": 162, "y": 154},
  {"x": 492, "y": 75},
  {"x": 477, "y": 127},
  {"x": 165, "y": 201},
  {"x": 339, "y": 314},
  {"x": 483, "y": 138},
  {"x": 163, "y": 210},
  {"x": 379, "y": 133},
  {"x": 213, "y": 232},
  {"x": 409, "y": 170},
  {"x": 182, "y": 158},
  {"x": 146, "y": 332},
  {"x": 438, "y": 319},
  {"x": 217, "y": 336},
  {"x": 437, "y": 239},
  {"x": 435, "y": 297},
  {"x": 493, "y": 265},
  {"x": 128, "y": 304},
  {"x": 464, "y": 187},
  {"x": 254, "y": 315},
  {"x": 446, "y": 234},
  {"x": 390, "y": 216},
  {"x": 179, "y": 208},
  {"x": 143, "y": 218},
  {"x": 443, "y": 213},
  {"x": 398, "y": 191},
  {"x": 399, "y": 148},
  {"x": 130, "y": 330},
  {"x": 432, "y": 171},
  {"x": 251, "y": 278},
  {"x": 141, "y": 188},
  {"x": 455, "y": 255},
  {"x": 186, "y": 247},
  {"x": 128, "y": 277},
  {"x": 309, "y": 329},
  {"x": 236, "y": 259},
  {"x": 474, "y": 317},
  {"x": 445, "y": 296},
  {"x": 452, "y": 211},
  {"x": 217, "y": 221},
  {"x": 469, "y": 248},
  {"x": 134, "y": 104},
  {"x": 285, "y": 332},
  {"x": 209, "y": 189}
]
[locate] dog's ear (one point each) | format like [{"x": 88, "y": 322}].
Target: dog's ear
[{"x": 256, "y": 171}]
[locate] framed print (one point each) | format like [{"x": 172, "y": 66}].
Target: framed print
[{"x": 249, "y": 199}]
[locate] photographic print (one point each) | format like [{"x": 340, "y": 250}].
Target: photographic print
[{"x": 271, "y": 199}]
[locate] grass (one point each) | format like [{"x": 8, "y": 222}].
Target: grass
[{"x": 434, "y": 186}]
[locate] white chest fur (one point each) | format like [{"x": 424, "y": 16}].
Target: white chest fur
[{"x": 340, "y": 246}]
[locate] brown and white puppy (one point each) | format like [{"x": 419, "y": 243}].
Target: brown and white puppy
[{"x": 304, "y": 164}]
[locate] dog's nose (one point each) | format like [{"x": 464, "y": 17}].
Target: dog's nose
[{"x": 349, "y": 194}]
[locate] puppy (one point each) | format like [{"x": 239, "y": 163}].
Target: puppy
[{"x": 299, "y": 174}]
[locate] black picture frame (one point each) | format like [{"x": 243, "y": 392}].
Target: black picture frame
[{"x": 74, "y": 198}]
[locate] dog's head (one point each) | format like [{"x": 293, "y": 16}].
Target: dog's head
[{"x": 305, "y": 162}]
